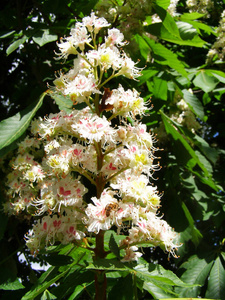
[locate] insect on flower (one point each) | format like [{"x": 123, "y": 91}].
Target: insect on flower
[{"x": 111, "y": 207}]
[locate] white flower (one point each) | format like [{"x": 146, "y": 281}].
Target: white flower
[
  {"x": 94, "y": 23},
  {"x": 81, "y": 87},
  {"x": 80, "y": 36},
  {"x": 115, "y": 37},
  {"x": 94, "y": 128}
]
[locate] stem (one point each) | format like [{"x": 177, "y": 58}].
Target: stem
[{"x": 100, "y": 276}]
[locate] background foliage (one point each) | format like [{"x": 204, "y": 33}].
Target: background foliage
[{"x": 174, "y": 54}]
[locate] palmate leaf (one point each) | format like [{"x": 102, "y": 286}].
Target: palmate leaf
[
  {"x": 197, "y": 271},
  {"x": 12, "y": 128},
  {"x": 216, "y": 283},
  {"x": 158, "y": 281}
]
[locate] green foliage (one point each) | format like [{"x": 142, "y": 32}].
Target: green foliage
[{"x": 173, "y": 52}]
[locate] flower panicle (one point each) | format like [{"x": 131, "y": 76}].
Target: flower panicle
[{"x": 69, "y": 153}]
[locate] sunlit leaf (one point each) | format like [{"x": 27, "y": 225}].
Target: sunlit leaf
[
  {"x": 44, "y": 36},
  {"x": 15, "y": 45},
  {"x": 13, "y": 127},
  {"x": 12, "y": 286},
  {"x": 205, "y": 81},
  {"x": 165, "y": 56},
  {"x": 194, "y": 103}
]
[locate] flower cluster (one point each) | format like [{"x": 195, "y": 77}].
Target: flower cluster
[
  {"x": 85, "y": 171},
  {"x": 218, "y": 48}
]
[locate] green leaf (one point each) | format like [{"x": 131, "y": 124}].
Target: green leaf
[
  {"x": 160, "y": 88},
  {"x": 205, "y": 81},
  {"x": 58, "y": 260},
  {"x": 216, "y": 283},
  {"x": 197, "y": 271},
  {"x": 146, "y": 75},
  {"x": 163, "y": 3},
  {"x": 187, "y": 34},
  {"x": 7, "y": 34},
  {"x": 158, "y": 281},
  {"x": 165, "y": 57},
  {"x": 217, "y": 74},
  {"x": 47, "y": 296},
  {"x": 195, "y": 233},
  {"x": 41, "y": 285},
  {"x": 191, "y": 16},
  {"x": 158, "y": 291},
  {"x": 143, "y": 46},
  {"x": 44, "y": 36},
  {"x": 13, "y": 127},
  {"x": 114, "y": 247},
  {"x": 64, "y": 102},
  {"x": 194, "y": 103},
  {"x": 107, "y": 264},
  {"x": 177, "y": 136},
  {"x": 16, "y": 45},
  {"x": 123, "y": 289},
  {"x": 12, "y": 286},
  {"x": 186, "y": 30},
  {"x": 168, "y": 21}
]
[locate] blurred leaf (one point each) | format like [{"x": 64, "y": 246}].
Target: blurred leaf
[
  {"x": 186, "y": 30},
  {"x": 58, "y": 260},
  {"x": 191, "y": 16},
  {"x": 143, "y": 46},
  {"x": 7, "y": 34},
  {"x": 15, "y": 285},
  {"x": 205, "y": 81},
  {"x": 211, "y": 153},
  {"x": 13, "y": 127},
  {"x": 160, "y": 88},
  {"x": 168, "y": 21},
  {"x": 163, "y": 3},
  {"x": 43, "y": 37},
  {"x": 47, "y": 296},
  {"x": 216, "y": 283},
  {"x": 146, "y": 75},
  {"x": 16, "y": 45}
]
